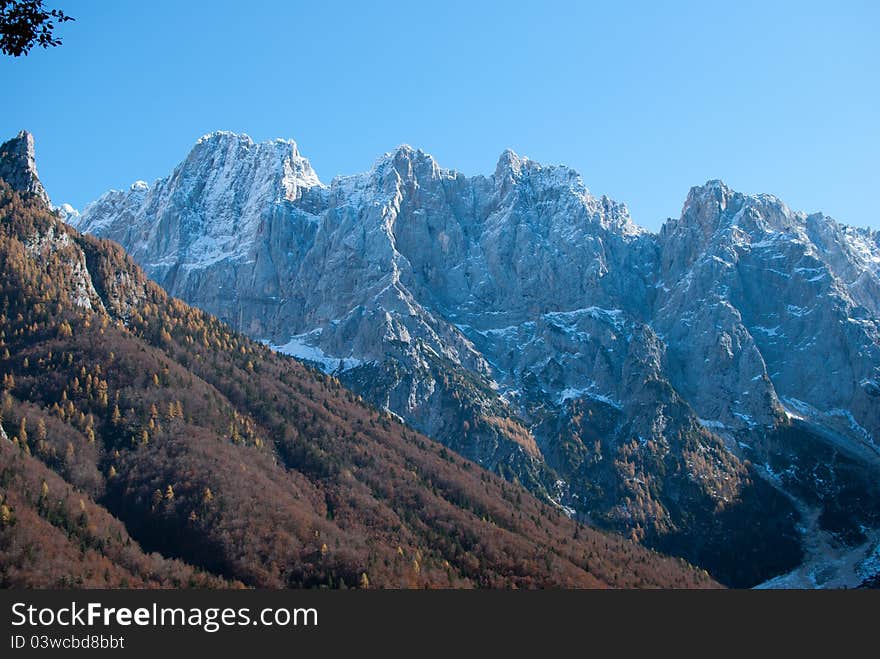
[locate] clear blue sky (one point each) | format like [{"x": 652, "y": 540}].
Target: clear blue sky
[{"x": 644, "y": 99}]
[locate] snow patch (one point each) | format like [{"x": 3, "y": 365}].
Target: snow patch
[
  {"x": 768, "y": 331},
  {"x": 570, "y": 393},
  {"x": 299, "y": 346}
]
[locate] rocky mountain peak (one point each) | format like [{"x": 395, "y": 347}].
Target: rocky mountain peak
[
  {"x": 224, "y": 139},
  {"x": 220, "y": 154},
  {"x": 18, "y": 166},
  {"x": 706, "y": 204},
  {"x": 508, "y": 170},
  {"x": 68, "y": 214},
  {"x": 407, "y": 163},
  {"x": 224, "y": 136},
  {"x": 715, "y": 206},
  {"x": 513, "y": 167},
  {"x": 509, "y": 163}
]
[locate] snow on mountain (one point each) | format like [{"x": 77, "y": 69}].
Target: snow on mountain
[
  {"x": 68, "y": 213},
  {"x": 534, "y": 327}
]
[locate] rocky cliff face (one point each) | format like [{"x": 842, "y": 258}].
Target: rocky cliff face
[
  {"x": 638, "y": 379},
  {"x": 143, "y": 443},
  {"x": 18, "y": 166},
  {"x": 791, "y": 302}
]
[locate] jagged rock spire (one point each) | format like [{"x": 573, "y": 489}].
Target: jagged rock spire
[{"x": 19, "y": 168}]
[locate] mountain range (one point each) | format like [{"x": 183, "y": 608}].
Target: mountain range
[
  {"x": 710, "y": 390},
  {"x": 144, "y": 443}
]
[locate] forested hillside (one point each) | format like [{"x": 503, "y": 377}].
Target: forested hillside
[{"x": 147, "y": 444}]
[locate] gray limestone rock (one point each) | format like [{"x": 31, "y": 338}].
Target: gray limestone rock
[
  {"x": 18, "y": 166},
  {"x": 527, "y": 323}
]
